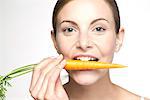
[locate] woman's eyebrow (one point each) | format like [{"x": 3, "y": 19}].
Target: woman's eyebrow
[
  {"x": 74, "y": 23},
  {"x": 99, "y": 19},
  {"x": 69, "y": 21}
]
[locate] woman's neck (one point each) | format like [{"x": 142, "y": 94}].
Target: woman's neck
[{"x": 103, "y": 88}]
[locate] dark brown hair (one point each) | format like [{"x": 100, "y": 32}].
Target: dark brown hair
[{"x": 112, "y": 3}]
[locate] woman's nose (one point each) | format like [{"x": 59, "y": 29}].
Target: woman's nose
[{"x": 84, "y": 42}]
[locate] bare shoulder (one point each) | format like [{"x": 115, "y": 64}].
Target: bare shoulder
[
  {"x": 146, "y": 99},
  {"x": 128, "y": 95}
]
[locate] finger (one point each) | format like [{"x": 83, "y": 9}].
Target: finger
[
  {"x": 44, "y": 71},
  {"x": 59, "y": 88},
  {"x": 42, "y": 91},
  {"x": 43, "y": 76},
  {"x": 54, "y": 63},
  {"x": 45, "y": 82},
  {"x": 36, "y": 71},
  {"x": 54, "y": 77},
  {"x": 51, "y": 64},
  {"x": 44, "y": 85}
]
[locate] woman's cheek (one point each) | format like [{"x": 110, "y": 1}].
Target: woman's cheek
[
  {"x": 109, "y": 43},
  {"x": 65, "y": 49},
  {"x": 64, "y": 46},
  {"x": 107, "y": 48}
]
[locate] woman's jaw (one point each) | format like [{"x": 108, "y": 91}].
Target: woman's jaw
[{"x": 88, "y": 77}]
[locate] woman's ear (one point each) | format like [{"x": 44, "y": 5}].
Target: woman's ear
[
  {"x": 119, "y": 39},
  {"x": 53, "y": 37}
]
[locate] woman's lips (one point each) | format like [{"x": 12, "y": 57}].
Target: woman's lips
[{"x": 85, "y": 57}]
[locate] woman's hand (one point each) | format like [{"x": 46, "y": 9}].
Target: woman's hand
[{"x": 46, "y": 83}]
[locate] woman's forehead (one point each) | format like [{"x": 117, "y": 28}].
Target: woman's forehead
[{"x": 85, "y": 10}]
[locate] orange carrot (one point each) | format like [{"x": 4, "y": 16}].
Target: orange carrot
[{"x": 85, "y": 65}]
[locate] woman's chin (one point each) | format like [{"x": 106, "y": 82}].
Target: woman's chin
[{"x": 87, "y": 77}]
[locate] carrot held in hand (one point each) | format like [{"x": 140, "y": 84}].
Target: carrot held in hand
[
  {"x": 71, "y": 65},
  {"x": 85, "y": 65}
]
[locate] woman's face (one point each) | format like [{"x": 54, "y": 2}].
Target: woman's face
[{"x": 86, "y": 31}]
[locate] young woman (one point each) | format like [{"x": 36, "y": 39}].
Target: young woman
[{"x": 83, "y": 30}]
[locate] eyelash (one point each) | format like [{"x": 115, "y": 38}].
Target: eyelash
[
  {"x": 67, "y": 29},
  {"x": 99, "y": 29},
  {"x": 71, "y": 30}
]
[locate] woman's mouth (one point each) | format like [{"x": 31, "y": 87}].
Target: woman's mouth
[{"x": 85, "y": 58}]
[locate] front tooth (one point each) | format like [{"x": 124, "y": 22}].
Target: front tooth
[
  {"x": 92, "y": 59},
  {"x": 84, "y": 58},
  {"x": 89, "y": 58}
]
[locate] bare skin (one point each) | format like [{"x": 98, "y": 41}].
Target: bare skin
[
  {"x": 46, "y": 84},
  {"x": 85, "y": 28}
]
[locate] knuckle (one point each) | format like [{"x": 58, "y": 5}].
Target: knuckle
[
  {"x": 40, "y": 97},
  {"x": 30, "y": 90},
  {"x": 45, "y": 59},
  {"x": 49, "y": 96},
  {"x": 51, "y": 79},
  {"x": 47, "y": 76},
  {"x": 58, "y": 67},
  {"x": 60, "y": 95},
  {"x": 49, "y": 59},
  {"x": 33, "y": 95},
  {"x": 43, "y": 72},
  {"x": 37, "y": 68}
]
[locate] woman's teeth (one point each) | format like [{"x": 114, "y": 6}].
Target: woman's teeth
[{"x": 86, "y": 59}]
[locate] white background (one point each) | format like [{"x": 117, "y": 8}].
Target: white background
[{"x": 25, "y": 38}]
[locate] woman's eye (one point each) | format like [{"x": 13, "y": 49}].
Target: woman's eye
[
  {"x": 68, "y": 30},
  {"x": 99, "y": 29}
]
